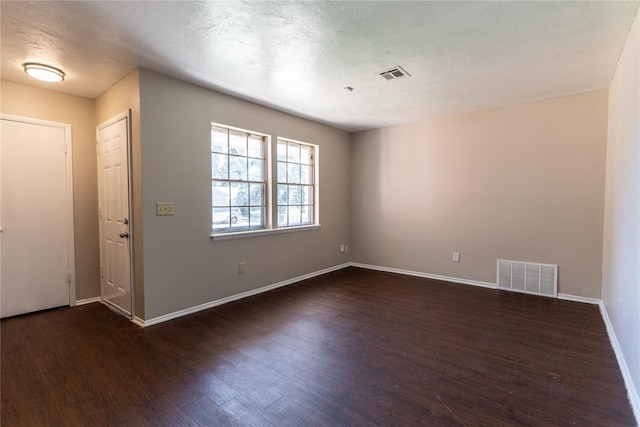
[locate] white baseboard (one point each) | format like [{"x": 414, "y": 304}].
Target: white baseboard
[
  {"x": 576, "y": 298},
  {"x": 567, "y": 297},
  {"x": 195, "y": 309},
  {"x": 426, "y": 275},
  {"x": 632, "y": 392},
  {"x": 88, "y": 300}
]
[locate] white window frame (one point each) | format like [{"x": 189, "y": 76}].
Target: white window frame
[
  {"x": 266, "y": 181},
  {"x": 271, "y": 185},
  {"x": 314, "y": 184}
]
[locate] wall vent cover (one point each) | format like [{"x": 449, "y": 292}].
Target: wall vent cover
[
  {"x": 393, "y": 73},
  {"x": 528, "y": 277}
]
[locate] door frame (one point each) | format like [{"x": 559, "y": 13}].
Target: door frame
[
  {"x": 68, "y": 140},
  {"x": 127, "y": 116}
]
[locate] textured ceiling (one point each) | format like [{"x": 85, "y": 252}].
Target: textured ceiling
[{"x": 299, "y": 56}]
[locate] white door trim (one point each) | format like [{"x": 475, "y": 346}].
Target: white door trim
[
  {"x": 123, "y": 115},
  {"x": 71, "y": 261}
]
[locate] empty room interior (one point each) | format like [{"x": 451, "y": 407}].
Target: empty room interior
[{"x": 320, "y": 213}]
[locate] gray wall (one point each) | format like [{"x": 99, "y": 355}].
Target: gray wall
[
  {"x": 524, "y": 182},
  {"x": 183, "y": 267},
  {"x": 621, "y": 261}
]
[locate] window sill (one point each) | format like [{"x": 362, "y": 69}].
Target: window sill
[{"x": 255, "y": 233}]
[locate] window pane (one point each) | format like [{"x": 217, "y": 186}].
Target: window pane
[
  {"x": 237, "y": 143},
  {"x": 282, "y": 151},
  {"x": 236, "y": 218},
  {"x": 293, "y": 173},
  {"x": 307, "y": 195},
  {"x": 255, "y": 146},
  {"x": 306, "y": 214},
  {"x": 239, "y": 194},
  {"x": 282, "y": 216},
  {"x": 256, "y": 197},
  {"x": 293, "y": 152},
  {"x": 256, "y": 217},
  {"x": 294, "y": 215},
  {"x": 295, "y": 194},
  {"x": 221, "y": 217},
  {"x": 238, "y": 168},
  {"x": 219, "y": 166},
  {"x": 282, "y": 172},
  {"x": 219, "y": 140},
  {"x": 306, "y": 175},
  {"x": 305, "y": 154},
  {"x": 220, "y": 194},
  {"x": 282, "y": 194},
  {"x": 255, "y": 169}
]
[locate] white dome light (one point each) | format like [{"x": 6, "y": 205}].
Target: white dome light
[{"x": 43, "y": 72}]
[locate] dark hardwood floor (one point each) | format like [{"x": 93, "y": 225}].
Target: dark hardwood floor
[{"x": 353, "y": 347}]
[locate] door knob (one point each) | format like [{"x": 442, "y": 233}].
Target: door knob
[{"x": 124, "y": 235}]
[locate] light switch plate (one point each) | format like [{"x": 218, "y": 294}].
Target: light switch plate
[{"x": 165, "y": 209}]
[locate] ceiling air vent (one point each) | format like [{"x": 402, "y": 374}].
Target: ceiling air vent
[{"x": 393, "y": 73}]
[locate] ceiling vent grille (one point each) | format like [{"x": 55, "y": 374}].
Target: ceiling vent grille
[
  {"x": 393, "y": 73},
  {"x": 527, "y": 277}
]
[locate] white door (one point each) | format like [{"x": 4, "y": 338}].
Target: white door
[
  {"x": 115, "y": 261},
  {"x": 36, "y": 216}
]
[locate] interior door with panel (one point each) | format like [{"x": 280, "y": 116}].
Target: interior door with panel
[
  {"x": 36, "y": 216},
  {"x": 115, "y": 260}
]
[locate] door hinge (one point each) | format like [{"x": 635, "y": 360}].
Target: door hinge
[
  {"x": 69, "y": 277},
  {"x": 97, "y": 148},
  {"x": 101, "y": 272},
  {"x": 99, "y": 212}
]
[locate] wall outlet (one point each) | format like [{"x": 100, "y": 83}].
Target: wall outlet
[
  {"x": 346, "y": 248},
  {"x": 165, "y": 209},
  {"x": 455, "y": 257},
  {"x": 241, "y": 267},
  {"x": 341, "y": 249}
]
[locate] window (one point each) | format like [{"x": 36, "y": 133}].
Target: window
[
  {"x": 239, "y": 179},
  {"x": 243, "y": 192},
  {"x": 296, "y": 183}
]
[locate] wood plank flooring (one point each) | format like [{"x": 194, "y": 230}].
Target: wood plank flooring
[{"x": 354, "y": 347}]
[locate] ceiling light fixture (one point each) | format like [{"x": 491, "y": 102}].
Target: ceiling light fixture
[{"x": 43, "y": 72}]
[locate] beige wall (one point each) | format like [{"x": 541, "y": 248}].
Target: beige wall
[
  {"x": 183, "y": 267},
  {"x": 28, "y": 101},
  {"x": 122, "y": 96},
  {"x": 524, "y": 182},
  {"x": 621, "y": 260}
]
